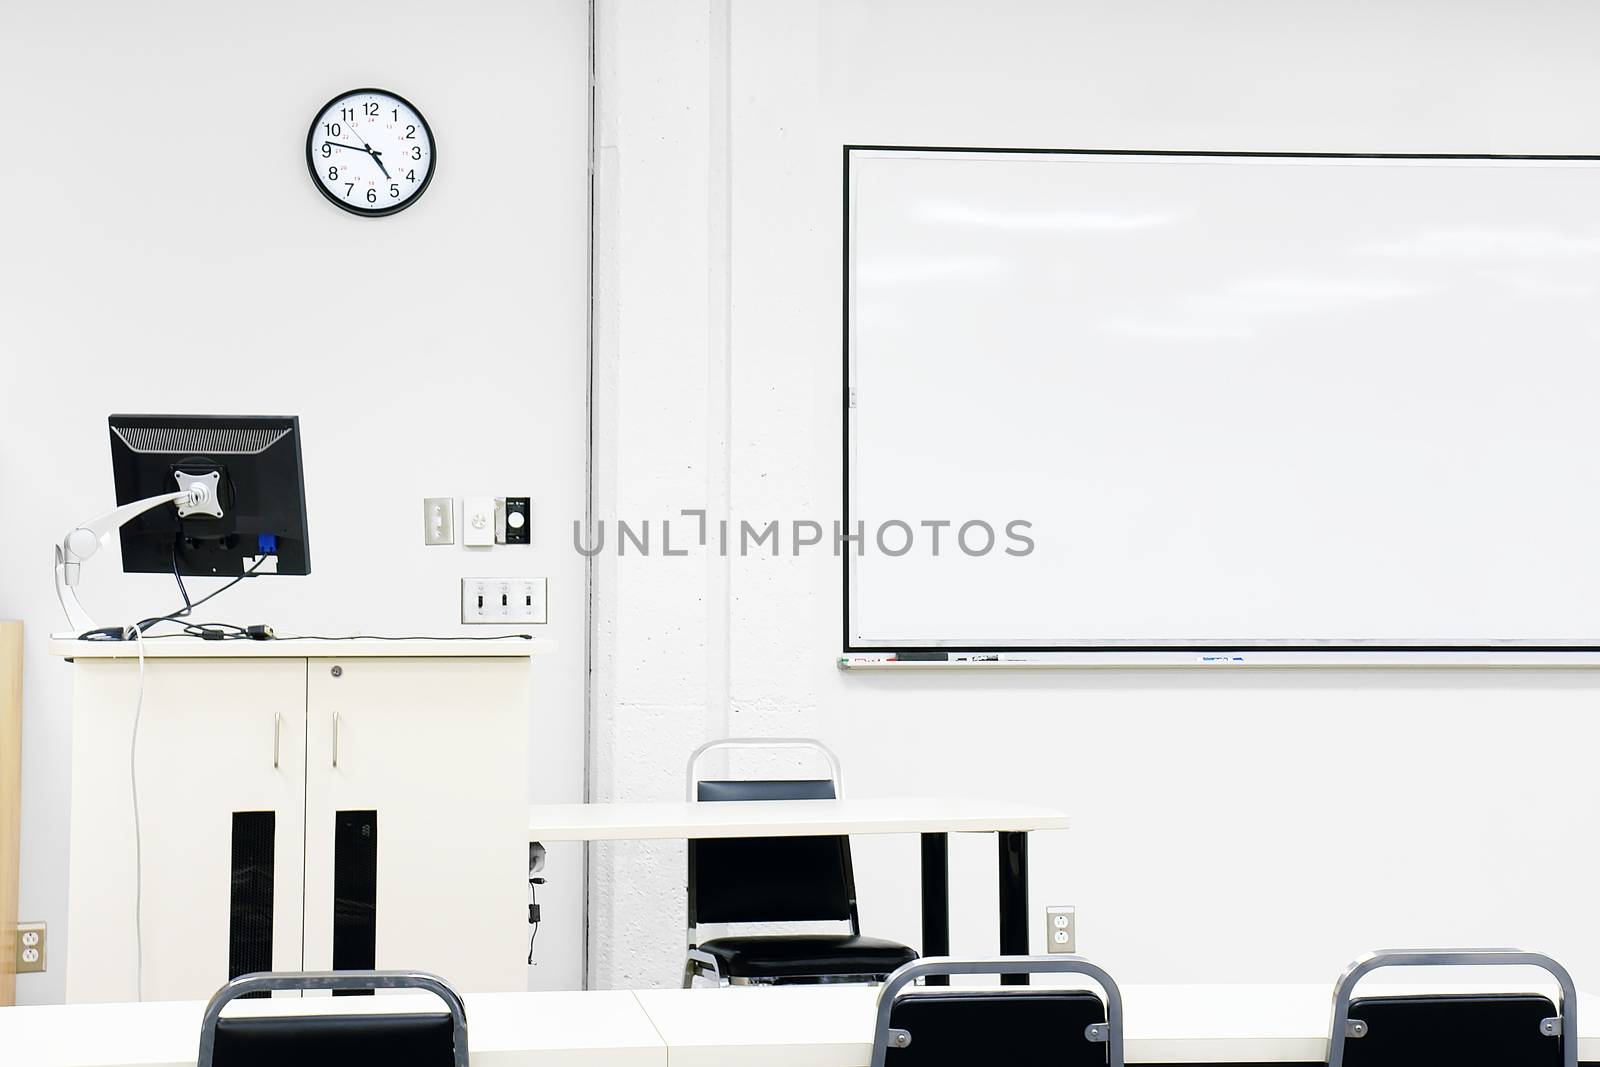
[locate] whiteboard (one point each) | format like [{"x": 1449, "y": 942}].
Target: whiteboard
[{"x": 1242, "y": 401}]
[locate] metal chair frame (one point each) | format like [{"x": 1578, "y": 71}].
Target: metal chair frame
[
  {"x": 266, "y": 982},
  {"x": 1563, "y": 1024},
  {"x": 696, "y": 962},
  {"x": 835, "y": 772},
  {"x": 1110, "y": 1032}
]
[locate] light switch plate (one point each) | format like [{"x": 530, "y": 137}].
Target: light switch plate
[
  {"x": 477, "y": 521},
  {"x": 438, "y": 520},
  {"x": 1061, "y": 928},
  {"x": 506, "y": 601}
]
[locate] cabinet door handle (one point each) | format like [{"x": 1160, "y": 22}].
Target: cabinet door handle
[
  {"x": 277, "y": 737},
  {"x": 336, "y": 739}
]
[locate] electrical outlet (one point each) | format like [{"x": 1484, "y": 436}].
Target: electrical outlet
[
  {"x": 1061, "y": 928},
  {"x": 508, "y": 601},
  {"x": 30, "y": 948}
]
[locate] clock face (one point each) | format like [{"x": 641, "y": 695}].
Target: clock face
[{"x": 370, "y": 152}]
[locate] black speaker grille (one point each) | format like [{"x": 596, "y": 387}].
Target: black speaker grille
[
  {"x": 250, "y": 893},
  {"x": 355, "y": 894}
]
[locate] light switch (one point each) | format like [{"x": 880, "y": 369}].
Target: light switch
[
  {"x": 438, "y": 521},
  {"x": 477, "y": 521},
  {"x": 504, "y": 600}
]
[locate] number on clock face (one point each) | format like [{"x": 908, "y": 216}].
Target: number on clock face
[{"x": 370, "y": 152}]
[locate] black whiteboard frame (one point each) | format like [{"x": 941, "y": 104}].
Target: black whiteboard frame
[{"x": 1264, "y": 653}]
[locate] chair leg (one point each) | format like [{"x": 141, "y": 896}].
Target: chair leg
[{"x": 688, "y": 974}]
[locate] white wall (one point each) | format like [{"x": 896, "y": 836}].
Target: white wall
[
  {"x": 162, "y": 249},
  {"x": 1283, "y": 821}
]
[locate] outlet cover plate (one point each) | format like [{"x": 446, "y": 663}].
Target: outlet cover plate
[
  {"x": 32, "y": 956},
  {"x": 504, "y": 601},
  {"x": 1061, "y": 928}
]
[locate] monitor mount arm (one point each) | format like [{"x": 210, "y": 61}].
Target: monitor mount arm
[{"x": 198, "y": 496}]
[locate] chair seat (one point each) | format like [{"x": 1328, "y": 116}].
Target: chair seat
[{"x": 805, "y": 955}]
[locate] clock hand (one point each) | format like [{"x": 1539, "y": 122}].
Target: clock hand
[
  {"x": 373, "y": 152},
  {"x": 368, "y": 149}
]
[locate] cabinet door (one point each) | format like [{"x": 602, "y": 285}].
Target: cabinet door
[
  {"x": 416, "y": 829},
  {"x": 221, "y": 777}
]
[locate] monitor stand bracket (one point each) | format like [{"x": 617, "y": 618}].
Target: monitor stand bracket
[{"x": 85, "y": 539}]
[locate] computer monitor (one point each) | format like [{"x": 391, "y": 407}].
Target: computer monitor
[{"x": 256, "y": 506}]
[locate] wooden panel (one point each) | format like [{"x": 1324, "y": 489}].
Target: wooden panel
[{"x": 10, "y": 801}]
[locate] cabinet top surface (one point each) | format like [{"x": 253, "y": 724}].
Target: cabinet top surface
[{"x": 303, "y": 648}]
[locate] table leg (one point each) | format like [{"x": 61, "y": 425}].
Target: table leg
[
  {"x": 1013, "y": 899},
  {"x": 936, "y": 900}
]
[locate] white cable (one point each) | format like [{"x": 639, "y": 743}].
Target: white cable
[{"x": 138, "y": 843}]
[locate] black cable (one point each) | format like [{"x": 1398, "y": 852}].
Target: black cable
[
  {"x": 189, "y": 606},
  {"x": 118, "y": 633},
  {"x": 177, "y": 577}
]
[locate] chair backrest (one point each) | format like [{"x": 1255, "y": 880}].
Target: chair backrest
[
  {"x": 766, "y": 744},
  {"x": 1460, "y": 1029},
  {"x": 1018, "y": 1026},
  {"x": 769, "y": 879},
  {"x": 411, "y": 1039}
]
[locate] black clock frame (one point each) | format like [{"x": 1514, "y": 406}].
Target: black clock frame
[{"x": 375, "y": 213}]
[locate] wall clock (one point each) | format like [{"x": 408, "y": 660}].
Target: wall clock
[{"x": 371, "y": 152}]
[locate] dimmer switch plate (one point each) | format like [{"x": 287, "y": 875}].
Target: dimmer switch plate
[
  {"x": 512, "y": 521},
  {"x": 477, "y": 521}
]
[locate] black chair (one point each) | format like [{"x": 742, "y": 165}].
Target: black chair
[
  {"x": 411, "y": 1039},
  {"x": 1458, "y": 1029},
  {"x": 1018, "y": 1026},
  {"x": 778, "y": 880}
]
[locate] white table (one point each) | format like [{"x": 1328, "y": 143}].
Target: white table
[
  {"x": 786, "y": 1026},
  {"x": 930, "y": 817},
  {"x": 823, "y": 1026},
  {"x": 576, "y": 1029},
  {"x": 681, "y": 820}
]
